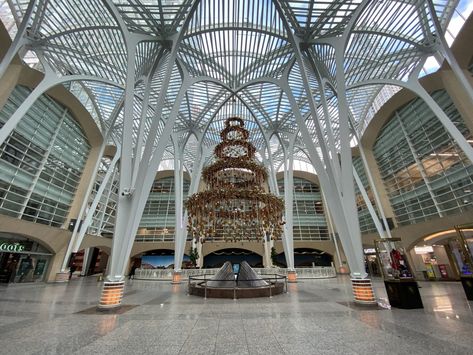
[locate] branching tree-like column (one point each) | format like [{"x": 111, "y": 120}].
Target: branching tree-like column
[
  {"x": 140, "y": 159},
  {"x": 335, "y": 171}
]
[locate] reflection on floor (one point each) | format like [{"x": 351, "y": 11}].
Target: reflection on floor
[{"x": 315, "y": 317}]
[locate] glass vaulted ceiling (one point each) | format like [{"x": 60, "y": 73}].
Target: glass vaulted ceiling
[{"x": 234, "y": 50}]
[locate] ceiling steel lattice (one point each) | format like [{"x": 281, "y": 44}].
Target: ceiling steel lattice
[{"x": 233, "y": 50}]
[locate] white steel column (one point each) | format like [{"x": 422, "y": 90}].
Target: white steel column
[
  {"x": 267, "y": 251},
  {"x": 269, "y": 163},
  {"x": 332, "y": 232},
  {"x": 446, "y": 52},
  {"x": 339, "y": 194},
  {"x": 347, "y": 184},
  {"x": 371, "y": 183},
  {"x": 288, "y": 238},
  {"x": 20, "y": 39},
  {"x": 369, "y": 205},
  {"x": 118, "y": 262},
  {"x": 194, "y": 188},
  {"x": 159, "y": 62},
  {"x": 132, "y": 203},
  {"x": 274, "y": 189},
  {"x": 179, "y": 249},
  {"x": 179, "y": 232},
  {"x": 330, "y": 189}
]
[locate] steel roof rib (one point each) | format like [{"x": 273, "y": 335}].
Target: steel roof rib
[{"x": 230, "y": 48}]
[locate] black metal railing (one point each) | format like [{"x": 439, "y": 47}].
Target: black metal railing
[{"x": 202, "y": 281}]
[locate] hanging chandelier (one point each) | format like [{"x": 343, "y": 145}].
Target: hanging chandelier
[{"x": 235, "y": 205}]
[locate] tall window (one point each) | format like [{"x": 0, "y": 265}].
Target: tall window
[
  {"x": 309, "y": 216},
  {"x": 159, "y": 215},
  {"x": 41, "y": 162},
  {"x": 366, "y": 221},
  {"x": 103, "y": 220},
  {"x": 425, "y": 172}
]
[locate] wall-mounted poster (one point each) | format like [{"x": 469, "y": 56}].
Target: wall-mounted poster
[
  {"x": 430, "y": 271},
  {"x": 443, "y": 271},
  {"x": 40, "y": 266},
  {"x": 159, "y": 261}
]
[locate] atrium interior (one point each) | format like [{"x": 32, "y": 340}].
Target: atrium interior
[{"x": 320, "y": 152}]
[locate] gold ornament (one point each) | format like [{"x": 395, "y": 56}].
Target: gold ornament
[{"x": 235, "y": 204}]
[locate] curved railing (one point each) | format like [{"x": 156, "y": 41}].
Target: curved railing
[
  {"x": 236, "y": 286},
  {"x": 318, "y": 272}
]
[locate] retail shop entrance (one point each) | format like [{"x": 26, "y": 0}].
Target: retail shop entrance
[
  {"x": 439, "y": 256},
  {"x": 22, "y": 259}
]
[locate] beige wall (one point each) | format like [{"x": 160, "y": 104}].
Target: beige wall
[
  {"x": 19, "y": 74},
  {"x": 54, "y": 239},
  {"x": 30, "y": 78},
  {"x": 140, "y": 248},
  {"x": 463, "y": 52},
  {"x": 410, "y": 234},
  {"x": 442, "y": 79},
  {"x": 93, "y": 241},
  {"x": 414, "y": 233}
]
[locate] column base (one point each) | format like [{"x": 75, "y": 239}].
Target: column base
[
  {"x": 112, "y": 294},
  {"x": 363, "y": 291},
  {"x": 176, "y": 278},
  {"x": 62, "y": 277},
  {"x": 291, "y": 277}
]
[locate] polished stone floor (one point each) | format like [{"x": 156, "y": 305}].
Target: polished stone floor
[{"x": 315, "y": 317}]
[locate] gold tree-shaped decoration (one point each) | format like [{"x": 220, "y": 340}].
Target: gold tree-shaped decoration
[{"x": 235, "y": 205}]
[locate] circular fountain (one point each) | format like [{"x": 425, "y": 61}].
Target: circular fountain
[{"x": 246, "y": 283}]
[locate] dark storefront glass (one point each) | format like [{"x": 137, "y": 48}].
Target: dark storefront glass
[{"x": 22, "y": 259}]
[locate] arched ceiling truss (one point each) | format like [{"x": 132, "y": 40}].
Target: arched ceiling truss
[{"x": 226, "y": 51}]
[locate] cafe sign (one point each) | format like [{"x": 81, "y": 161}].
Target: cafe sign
[
  {"x": 426, "y": 249},
  {"x": 12, "y": 247}
]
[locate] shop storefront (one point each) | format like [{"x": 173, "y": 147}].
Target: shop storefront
[
  {"x": 22, "y": 259},
  {"x": 371, "y": 262},
  {"x": 437, "y": 261}
]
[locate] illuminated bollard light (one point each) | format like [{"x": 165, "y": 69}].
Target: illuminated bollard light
[
  {"x": 363, "y": 291},
  {"x": 112, "y": 294},
  {"x": 176, "y": 277},
  {"x": 291, "y": 276}
]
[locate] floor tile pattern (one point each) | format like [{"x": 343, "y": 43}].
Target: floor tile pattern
[{"x": 314, "y": 317}]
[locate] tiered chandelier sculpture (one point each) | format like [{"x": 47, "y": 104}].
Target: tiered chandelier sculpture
[{"x": 235, "y": 206}]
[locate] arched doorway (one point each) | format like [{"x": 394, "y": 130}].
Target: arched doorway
[
  {"x": 90, "y": 261},
  {"x": 306, "y": 257},
  {"x": 234, "y": 255},
  {"x": 22, "y": 259},
  {"x": 439, "y": 256}
]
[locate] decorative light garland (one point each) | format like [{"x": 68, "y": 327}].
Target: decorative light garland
[{"x": 235, "y": 206}]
